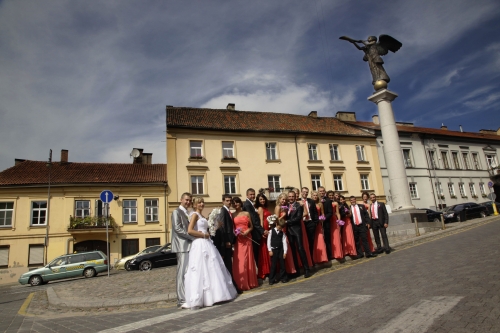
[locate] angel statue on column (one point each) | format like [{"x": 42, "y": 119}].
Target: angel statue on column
[{"x": 373, "y": 51}]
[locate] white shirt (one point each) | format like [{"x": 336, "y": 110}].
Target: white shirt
[
  {"x": 285, "y": 248},
  {"x": 356, "y": 215}
]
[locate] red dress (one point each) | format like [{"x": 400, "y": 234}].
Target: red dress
[
  {"x": 264, "y": 267},
  {"x": 348, "y": 238},
  {"x": 368, "y": 234},
  {"x": 319, "y": 250},
  {"x": 336, "y": 239},
  {"x": 305, "y": 244},
  {"x": 244, "y": 272}
]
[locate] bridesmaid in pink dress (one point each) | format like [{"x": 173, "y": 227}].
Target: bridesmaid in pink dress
[
  {"x": 319, "y": 250},
  {"x": 336, "y": 230},
  {"x": 244, "y": 271},
  {"x": 281, "y": 214},
  {"x": 264, "y": 267},
  {"x": 348, "y": 235},
  {"x": 365, "y": 196},
  {"x": 305, "y": 241}
]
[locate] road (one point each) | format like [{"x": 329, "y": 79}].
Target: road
[{"x": 447, "y": 284}]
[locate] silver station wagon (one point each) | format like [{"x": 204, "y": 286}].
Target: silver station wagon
[{"x": 87, "y": 264}]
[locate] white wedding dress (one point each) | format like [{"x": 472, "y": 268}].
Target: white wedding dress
[{"x": 207, "y": 280}]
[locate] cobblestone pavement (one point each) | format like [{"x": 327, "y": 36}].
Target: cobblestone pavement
[{"x": 445, "y": 282}]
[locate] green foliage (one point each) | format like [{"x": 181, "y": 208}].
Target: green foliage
[{"x": 89, "y": 222}]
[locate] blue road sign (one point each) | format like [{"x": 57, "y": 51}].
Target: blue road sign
[
  {"x": 106, "y": 196},
  {"x": 490, "y": 184}
]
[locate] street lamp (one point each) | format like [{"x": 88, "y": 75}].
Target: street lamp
[{"x": 49, "y": 166}]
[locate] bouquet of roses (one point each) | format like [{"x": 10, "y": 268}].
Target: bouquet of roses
[
  {"x": 321, "y": 217},
  {"x": 214, "y": 221},
  {"x": 272, "y": 220},
  {"x": 340, "y": 222},
  {"x": 239, "y": 231}
]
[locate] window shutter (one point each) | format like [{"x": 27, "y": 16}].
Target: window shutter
[
  {"x": 4, "y": 256},
  {"x": 36, "y": 255}
]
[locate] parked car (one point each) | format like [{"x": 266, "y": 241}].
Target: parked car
[
  {"x": 87, "y": 264},
  {"x": 161, "y": 257},
  {"x": 468, "y": 210},
  {"x": 124, "y": 262},
  {"x": 489, "y": 206},
  {"x": 432, "y": 215}
]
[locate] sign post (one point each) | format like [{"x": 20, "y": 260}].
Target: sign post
[
  {"x": 492, "y": 196},
  {"x": 106, "y": 197}
]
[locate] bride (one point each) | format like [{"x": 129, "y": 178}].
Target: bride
[{"x": 207, "y": 280}]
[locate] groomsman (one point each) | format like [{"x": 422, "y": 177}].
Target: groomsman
[
  {"x": 310, "y": 217},
  {"x": 360, "y": 222},
  {"x": 327, "y": 224},
  {"x": 294, "y": 233},
  {"x": 258, "y": 230},
  {"x": 380, "y": 222}
]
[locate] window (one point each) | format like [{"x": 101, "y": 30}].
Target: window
[
  {"x": 337, "y": 182},
  {"x": 4, "y": 256},
  {"x": 6, "y": 211},
  {"x": 456, "y": 163},
  {"x": 472, "y": 190},
  {"x": 475, "y": 161},
  {"x": 465, "y": 157},
  {"x": 365, "y": 185},
  {"x": 229, "y": 184},
  {"x": 82, "y": 208},
  {"x": 227, "y": 149},
  {"x": 461, "y": 187},
  {"x": 360, "y": 152},
  {"x": 38, "y": 212},
  {"x": 195, "y": 149},
  {"x": 334, "y": 152},
  {"x": 151, "y": 210},
  {"x": 271, "y": 152},
  {"x": 444, "y": 157},
  {"x": 197, "y": 185},
  {"x": 413, "y": 191},
  {"x": 274, "y": 183},
  {"x": 432, "y": 157},
  {"x": 129, "y": 247},
  {"x": 316, "y": 182},
  {"x": 35, "y": 255},
  {"x": 407, "y": 158},
  {"x": 451, "y": 189},
  {"x": 482, "y": 189},
  {"x": 130, "y": 211},
  {"x": 152, "y": 241},
  {"x": 313, "y": 151},
  {"x": 99, "y": 208},
  {"x": 491, "y": 161},
  {"x": 439, "y": 189}
]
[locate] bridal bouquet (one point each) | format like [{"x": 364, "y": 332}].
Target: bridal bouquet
[
  {"x": 214, "y": 221},
  {"x": 272, "y": 220}
]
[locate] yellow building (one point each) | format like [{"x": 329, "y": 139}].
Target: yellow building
[
  {"x": 215, "y": 151},
  {"x": 39, "y": 222}
]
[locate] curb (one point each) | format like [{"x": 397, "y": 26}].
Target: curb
[{"x": 55, "y": 300}]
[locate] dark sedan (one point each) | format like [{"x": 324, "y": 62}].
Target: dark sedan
[
  {"x": 432, "y": 215},
  {"x": 161, "y": 257},
  {"x": 465, "y": 211}
]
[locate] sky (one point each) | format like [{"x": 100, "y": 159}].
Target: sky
[{"x": 94, "y": 77}]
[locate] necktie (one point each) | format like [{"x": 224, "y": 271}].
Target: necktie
[
  {"x": 374, "y": 215},
  {"x": 356, "y": 217},
  {"x": 306, "y": 207}
]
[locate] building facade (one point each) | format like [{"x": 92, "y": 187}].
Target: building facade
[
  {"x": 443, "y": 167},
  {"x": 39, "y": 222},
  {"x": 215, "y": 151}
]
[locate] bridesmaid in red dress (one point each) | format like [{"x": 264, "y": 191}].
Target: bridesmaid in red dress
[
  {"x": 365, "y": 196},
  {"x": 281, "y": 214},
  {"x": 305, "y": 241},
  {"x": 244, "y": 272},
  {"x": 348, "y": 234},
  {"x": 336, "y": 230},
  {"x": 319, "y": 250},
  {"x": 264, "y": 267}
]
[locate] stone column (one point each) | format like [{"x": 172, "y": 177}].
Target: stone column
[{"x": 398, "y": 181}]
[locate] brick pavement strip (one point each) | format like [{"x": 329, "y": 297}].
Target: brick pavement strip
[{"x": 156, "y": 288}]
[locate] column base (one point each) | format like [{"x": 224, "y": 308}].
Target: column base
[{"x": 405, "y": 218}]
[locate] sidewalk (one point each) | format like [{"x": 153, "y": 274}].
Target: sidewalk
[{"x": 156, "y": 288}]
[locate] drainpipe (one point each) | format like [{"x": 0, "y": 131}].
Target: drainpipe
[
  {"x": 165, "y": 208},
  {"x": 298, "y": 162}
]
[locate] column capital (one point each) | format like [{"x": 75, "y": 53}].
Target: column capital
[{"x": 383, "y": 95}]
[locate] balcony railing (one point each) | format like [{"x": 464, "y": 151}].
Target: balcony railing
[{"x": 90, "y": 222}]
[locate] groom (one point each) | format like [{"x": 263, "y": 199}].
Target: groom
[
  {"x": 294, "y": 233},
  {"x": 181, "y": 244}
]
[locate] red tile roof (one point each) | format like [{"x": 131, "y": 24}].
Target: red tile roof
[
  {"x": 233, "y": 120},
  {"x": 426, "y": 130},
  {"x": 36, "y": 172}
]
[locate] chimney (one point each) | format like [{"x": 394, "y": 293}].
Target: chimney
[
  {"x": 18, "y": 161},
  {"x": 461, "y": 129},
  {"x": 346, "y": 116},
  {"x": 490, "y": 132},
  {"x": 147, "y": 158},
  {"x": 231, "y": 106},
  {"x": 375, "y": 119},
  {"x": 313, "y": 114},
  {"x": 64, "y": 156},
  {"x": 138, "y": 159},
  {"x": 444, "y": 128}
]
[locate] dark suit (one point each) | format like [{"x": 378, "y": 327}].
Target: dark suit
[
  {"x": 327, "y": 226},
  {"x": 360, "y": 230},
  {"x": 311, "y": 224},
  {"x": 378, "y": 225},
  {"x": 224, "y": 235},
  {"x": 294, "y": 234},
  {"x": 257, "y": 230}
]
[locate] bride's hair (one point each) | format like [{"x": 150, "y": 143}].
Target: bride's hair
[
  {"x": 196, "y": 201},
  {"x": 282, "y": 195}
]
